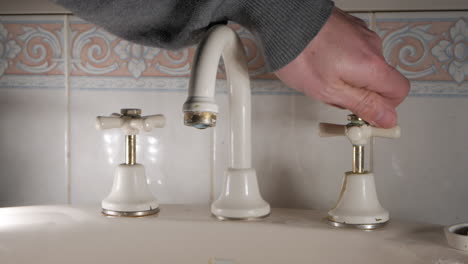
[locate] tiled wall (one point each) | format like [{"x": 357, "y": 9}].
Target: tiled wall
[{"x": 58, "y": 72}]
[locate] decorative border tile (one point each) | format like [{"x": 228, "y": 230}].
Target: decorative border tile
[
  {"x": 32, "y": 81},
  {"x": 96, "y": 52},
  {"x": 31, "y": 45},
  {"x": 430, "y": 49}
]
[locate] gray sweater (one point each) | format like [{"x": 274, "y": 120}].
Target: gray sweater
[{"x": 282, "y": 27}]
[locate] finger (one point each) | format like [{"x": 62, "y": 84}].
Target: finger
[
  {"x": 366, "y": 104},
  {"x": 376, "y": 75}
]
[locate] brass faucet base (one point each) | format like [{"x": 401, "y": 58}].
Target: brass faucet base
[
  {"x": 129, "y": 214},
  {"x": 357, "y": 226}
]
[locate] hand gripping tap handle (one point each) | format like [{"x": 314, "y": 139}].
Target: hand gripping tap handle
[{"x": 358, "y": 132}]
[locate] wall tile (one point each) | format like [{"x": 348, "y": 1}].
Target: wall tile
[
  {"x": 32, "y": 111},
  {"x": 428, "y": 48},
  {"x": 422, "y": 175}
]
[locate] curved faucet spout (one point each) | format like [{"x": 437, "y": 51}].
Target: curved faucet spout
[
  {"x": 240, "y": 197},
  {"x": 200, "y": 108}
]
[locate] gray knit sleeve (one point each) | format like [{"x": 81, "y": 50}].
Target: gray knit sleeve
[{"x": 283, "y": 28}]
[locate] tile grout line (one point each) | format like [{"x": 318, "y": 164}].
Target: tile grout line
[
  {"x": 67, "y": 102},
  {"x": 373, "y": 22}
]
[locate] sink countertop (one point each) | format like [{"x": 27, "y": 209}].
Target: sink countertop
[{"x": 189, "y": 234}]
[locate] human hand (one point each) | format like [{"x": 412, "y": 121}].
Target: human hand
[{"x": 343, "y": 66}]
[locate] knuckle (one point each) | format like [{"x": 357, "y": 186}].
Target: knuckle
[
  {"x": 385, "y": 72},
  {"x": 390, "y": 74},
  {"x": 327, "y": 92},
  {"x": 381, "y": 70},
  {"x": 374, "y": 62},
  {"x": 377, "y": 62}
]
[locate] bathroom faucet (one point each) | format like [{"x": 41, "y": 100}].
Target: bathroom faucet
[
  {"x": 358, "y": 205},
  {"x": 240, "y": 197},
  {"x": 130, "y": 195}
]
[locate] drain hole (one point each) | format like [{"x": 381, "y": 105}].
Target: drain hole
[{"x": 461, "y": 231}]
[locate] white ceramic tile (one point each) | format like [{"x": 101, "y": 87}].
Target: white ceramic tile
[
  {"x": 423, "y": 175},
  {"x": 176, "y": 157},
  {"x": 32, "y": 141}
]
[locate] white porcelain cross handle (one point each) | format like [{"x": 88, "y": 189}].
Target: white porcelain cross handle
[
  {"x": 358, "y": 135},
  {"x": 130, "y": 125}
]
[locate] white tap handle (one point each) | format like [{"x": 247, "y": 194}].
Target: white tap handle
[
  {"x": 131, "y": 125},
  {"x": 108, "y": 122},
  {"x": 393, "y": 132},
  {"x": 360, "y": 135},
  {"x": 331, "y": 130},
  {"x": 153, "y": 121}
]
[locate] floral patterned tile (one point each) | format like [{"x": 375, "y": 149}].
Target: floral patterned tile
[
  {"x": 427, "y": 46},
  {"x": 97, "y": 52},
  {"x": 31, "y": 45}
]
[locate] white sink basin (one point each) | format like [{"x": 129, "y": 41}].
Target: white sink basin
[{"x": 188, "y": 234}]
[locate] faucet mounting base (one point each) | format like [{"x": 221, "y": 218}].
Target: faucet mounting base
[
  {"x": 240, "y": 197},
  {"x": 130, "y": 194},
  {"x": 224, "y": 218},
  {"x": 357, "y": 226},
  {"x": 129, "y": 214}
]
